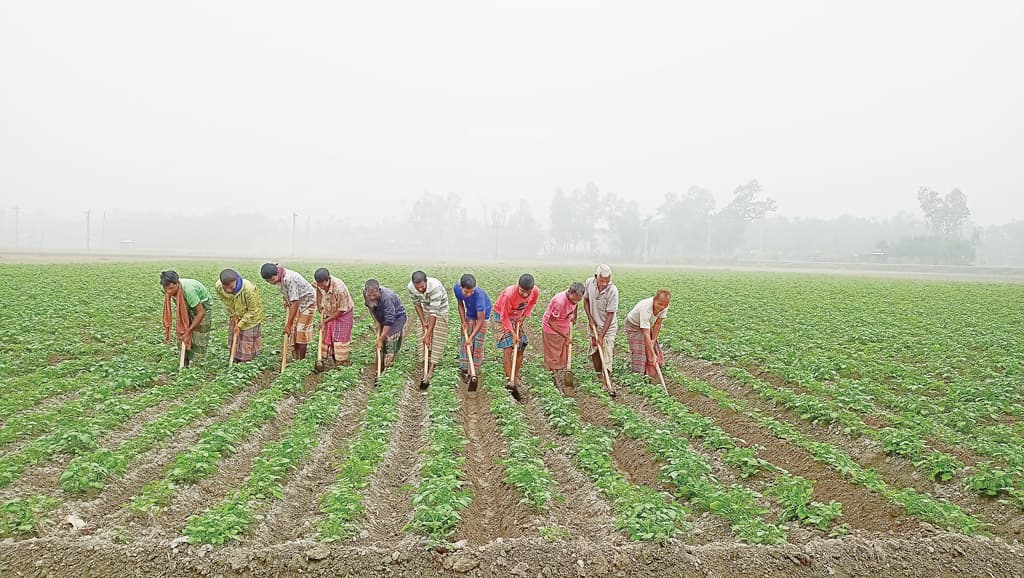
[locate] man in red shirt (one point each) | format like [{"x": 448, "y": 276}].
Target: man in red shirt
[
  {"x": 558, "y": 318},
  {"x": 513, "y": 306}
]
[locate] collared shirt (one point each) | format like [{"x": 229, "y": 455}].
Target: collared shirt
[
  {"x": 560, "y": 314},
  {"x": 511, "y": 305},
  {"x": 643, "y": 314},
  {"x": 336, "y": 299},
  {"x": 246, "y": 305},
  {"x": 434, "y": 300},
  {"x": 475, "y": 303},
  {"x": 601, "y": 302},
  {"x": 388, "y": 311},
  {"x": 294, "y": 287}
]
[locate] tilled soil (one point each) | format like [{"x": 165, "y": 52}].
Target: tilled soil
[
  {"x": 943, "y": 555},
  {"x": 1004, "y": 518}
]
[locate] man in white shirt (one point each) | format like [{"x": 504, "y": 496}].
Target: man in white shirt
[
  {"x": 643, "y": 324},
  {"x": 431, "y": 301}
]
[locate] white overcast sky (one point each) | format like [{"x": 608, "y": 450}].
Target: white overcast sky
[{"x": 836, "y": 107}]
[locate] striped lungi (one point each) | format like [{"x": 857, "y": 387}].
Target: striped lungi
[
  {"x": 439, "y": 339},
  {"x": 392, "y": 344},
  {"x": 638, "y": 362},
  {"x": 200, "y": 338},
  {"x": 504, "y": 338},
  {"x": 556, "y": 353},
  {"x": 477, "y": 348},
  {"x": 302, "y": 331},
  {"x": 338, "y": 335},
  {"x": 250, "y": 342}
]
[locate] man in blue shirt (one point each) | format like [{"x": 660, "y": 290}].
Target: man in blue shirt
[
  {"x": 474, "y": 311},
  {"x": 388, "y": 312}
]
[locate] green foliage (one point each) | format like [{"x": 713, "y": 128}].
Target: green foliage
[{"x": 22, "y": 516}]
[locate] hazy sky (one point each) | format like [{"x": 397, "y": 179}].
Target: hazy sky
[{"x": 330, "y": 106}]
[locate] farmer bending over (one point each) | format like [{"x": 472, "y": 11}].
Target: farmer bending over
[
  {"x": 335, "y": 305},
  {"x": 643, "y": 324},
  {"x": 245, "y": 310},
  {"x": 388, "y": 312},
  {"x": 299, "y": 303},
  {"x": 193, "y": 302},
  {"x": 513, "y": 306},
  {"x": 431, "y": 301},
  {"x": 474, "y": 310},
  {"x": 558, "y": 318}
]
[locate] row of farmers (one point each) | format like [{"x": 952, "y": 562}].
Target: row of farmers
[{"x": 188, "y": 303}]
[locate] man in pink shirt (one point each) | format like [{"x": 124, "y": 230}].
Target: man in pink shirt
[
  {"x": 513, "y": 306},
  {"x": 558, "y": 318}
]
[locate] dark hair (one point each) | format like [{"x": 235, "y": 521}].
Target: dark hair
[
  {"x": 228, "y": 276},
  {"x": 370, "y": 284},
  {"x": 526, "y": 281},
  {"x": 468, "y": 281},
  {"x": 168, "y": 277},
  {"x": 577, "y": 288},
  {"x": 321, "y": 275},
  {"x": 419, "y": 276},
  {"x": 268, "y": 270}
]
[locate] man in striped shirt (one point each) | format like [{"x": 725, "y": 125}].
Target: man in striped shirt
[{"x": 431, "y": 301}]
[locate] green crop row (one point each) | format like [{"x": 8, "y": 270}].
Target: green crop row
[
  {"x": 641, "y": 512},
  {"x": 220, "y": 440},
  {"x": 228, "y": 519},
  {"x": 938, "y": 512},
  {"x": 524, "y": 469},
  {"x": 345, "y": 501},
  {"x": 441, "y": 495},
  {"x": 90, "y": 472}
]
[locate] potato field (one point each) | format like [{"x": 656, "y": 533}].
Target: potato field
[{"x": 811, "y": 426}]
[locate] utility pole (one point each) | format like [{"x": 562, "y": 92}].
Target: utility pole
[
  {"x": 294, "y": 215},
  {"x": 103, "y": 230},
  {"x": 17, "y": 210},
  {"x": 499, "y": 222},
  {"x": 647, "y": 227},
  {"x": 87, "y": 216}
]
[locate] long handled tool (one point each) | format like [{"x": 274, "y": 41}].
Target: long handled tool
[
  {"x": 569, "y": 379},
  {"x": 604, "y": 364},
  {"x": 234, "y": 346},
  {"x": 661, "y": 377},
  {"x": 424, "y": 382},
  {"x": 319, "y": 365},
  {"x": 474, "y": 381},
  {"x": 181, "y": 356},
  {"x": 515, "y": 349},
  {"x": 380, "y": 364},
  {"x": 284, "y": 353}
]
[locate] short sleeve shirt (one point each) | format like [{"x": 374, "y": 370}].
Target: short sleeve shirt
[
  {"x": 294, "y": 287},
  {"x": 601, "y": 302},
  {"x": 195, "y": 293},
  {"x": 475, "y": 303},
  {"x": 643, "y": 314},
  {"x": 434, "y": 300}
]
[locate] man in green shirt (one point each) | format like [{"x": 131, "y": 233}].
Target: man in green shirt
[{"x": 198, "y": 302}]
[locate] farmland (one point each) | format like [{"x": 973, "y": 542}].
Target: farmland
[{"x": 810, "y": 425}]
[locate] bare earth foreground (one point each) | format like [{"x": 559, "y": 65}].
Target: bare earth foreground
[{"x": 940, "y": 555}]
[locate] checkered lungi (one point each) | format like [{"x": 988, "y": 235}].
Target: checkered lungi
[
  {"x": 250, "y": 342},
  {"x": 504, "y": 338},
  {"x": 392, "y": 344},
  {"x": 302, "y": 331},
  {"x": 477, "y": 348},
  {"x": 638, "y": 362},
  {"x": 338, "y": 336},
  {"x": 608, "y": 347}
]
